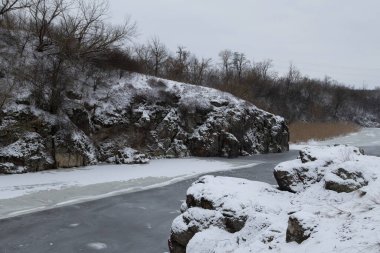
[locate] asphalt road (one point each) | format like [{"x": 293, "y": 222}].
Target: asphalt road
[{"x": 135, "y": 222}]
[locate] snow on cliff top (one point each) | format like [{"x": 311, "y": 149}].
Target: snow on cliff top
[
  {"x": 142, "y": 82},
  {"x": 124, "y": 90}
]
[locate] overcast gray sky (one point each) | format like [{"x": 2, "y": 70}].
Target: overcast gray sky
[{"x": 338, "y": 38}]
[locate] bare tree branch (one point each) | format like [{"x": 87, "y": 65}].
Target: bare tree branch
[
  {"x": 158, "y": 54},
  {"x": 85, "y": 32},
  {"x": 44, "y": 13},
  {"x": 7, "y": 6}
]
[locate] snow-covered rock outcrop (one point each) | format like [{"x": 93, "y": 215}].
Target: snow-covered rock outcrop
[
  {"x": 131, "y": 119},
  {"x": 236, "y": 215},
  {"x": 340, "y": 167},
  {"x": 218, "y": 208}
]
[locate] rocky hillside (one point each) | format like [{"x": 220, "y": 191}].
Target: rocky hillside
[{"x": 129, "y": 120}]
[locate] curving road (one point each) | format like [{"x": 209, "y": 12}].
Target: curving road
[{"x": 135, "y": 222}]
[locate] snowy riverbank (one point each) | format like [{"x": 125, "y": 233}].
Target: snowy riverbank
[
  {"x": 30, "y": 192},
  {"x": 365, "y": 137}
]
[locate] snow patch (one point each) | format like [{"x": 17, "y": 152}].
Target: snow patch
[{"x": 97, "y": 245}]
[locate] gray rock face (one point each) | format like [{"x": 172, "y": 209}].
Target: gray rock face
[
  {"x": 29, "y": 153},
  {"x": 11, "y": 168},
  {"x": 128, "y": 156},
  {"x": 35, "y": 140},
  {"x": 66, "y": 159},
  {"x": 154, "y": 118},
  {"x": 307, "y": 156},
  {"x": 290, "y": 180},
  {"x": 22, "y": 147},
  {"x": 343, "y": 180},
  {"x": 73, "y": 149},
  {"x": 300, "y": 227}
]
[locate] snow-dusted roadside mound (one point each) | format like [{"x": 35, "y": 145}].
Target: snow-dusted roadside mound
[
  {"x": 334, "y": 207},
  {"x": 130, "y": 119}
]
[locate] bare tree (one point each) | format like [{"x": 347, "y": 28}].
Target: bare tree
[
  {"x": 158, "y": 54},
  {"x": 262, "y": 69},
  {"x": 142, "y": 54},
  {"x": 85, "y": 32},
  {"x": 7, "y": 87},
  {"x": 293, "y": 76},
  {"x": 44, "y": 13},
  {"x": 178, "y": 66},
  {"x": 226, "y": 61},
  {"x": 10, "y": 11},
  {"x": 77, "y": 30},
  {"x": 240, "y": 63},
  {"x": 182, "y": 56},
  {"x": 7, "y": 6},
  {"x": 198, "y": 70}
]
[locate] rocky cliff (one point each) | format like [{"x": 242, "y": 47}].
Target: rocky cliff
[{"x": 131, "y": 119}]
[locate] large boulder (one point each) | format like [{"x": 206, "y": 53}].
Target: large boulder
[
  {"x": 330, "y": 154},
  {"x": 346, "y": 179},
  {"x": 294, "y": 176},
  {"x": 218, "y": 203},
  {"x": 314, "y": 163}
]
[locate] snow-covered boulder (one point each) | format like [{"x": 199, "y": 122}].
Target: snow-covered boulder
[
  {"x": 189, "y": 223},
  {"x": 294, "y": 176},
  {"x": 300, "y": 226},
  {"x": 314, "y": 163},
  {"x": 329, "y": 154},
  {"x": 346, "y": 179},
  {"x": 313, "y": 220},
  {"x": 225, "y": 204}
]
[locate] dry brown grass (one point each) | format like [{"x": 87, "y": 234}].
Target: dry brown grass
[{"x": 303, "y": 131}]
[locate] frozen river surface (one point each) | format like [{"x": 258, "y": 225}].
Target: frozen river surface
[
  {"x": 364, "y": 138},
  {"x": 138, "y": 221}
]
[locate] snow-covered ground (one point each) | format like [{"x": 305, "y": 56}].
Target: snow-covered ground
[
  {"x": 37, "y": 191},
  {"x": 365, "y": 137},
  {"x": 335, "y": 207}
]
